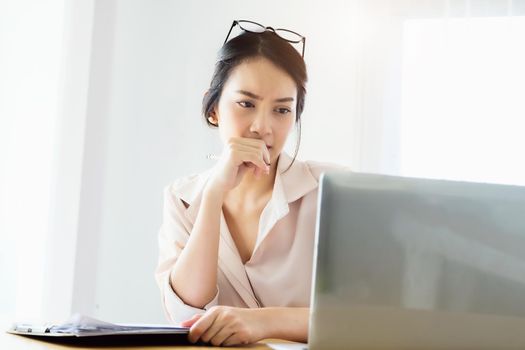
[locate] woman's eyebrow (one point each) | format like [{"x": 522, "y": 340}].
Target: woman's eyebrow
[{"x": 252, "y": 95}]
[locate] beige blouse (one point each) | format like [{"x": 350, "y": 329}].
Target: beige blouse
[{"x": 279, "y": 271}]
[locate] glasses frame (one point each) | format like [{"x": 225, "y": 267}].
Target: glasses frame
[{"x": 275, "y": 30}]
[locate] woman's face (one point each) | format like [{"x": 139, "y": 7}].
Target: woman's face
[{"x": 258, "y": 101}]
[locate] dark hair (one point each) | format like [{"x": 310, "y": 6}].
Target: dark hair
[{"x": 250, "y": 45}]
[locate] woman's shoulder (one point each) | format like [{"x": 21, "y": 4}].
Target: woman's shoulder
[
  {"x": 318, "y": 167},
  {"x": 187, "y": 187}
]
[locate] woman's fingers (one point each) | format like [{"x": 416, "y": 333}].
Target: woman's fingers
[
  {"x": 191, "y": 321},
  {"x": 247, "y": 156},
  {"x": 215, "y": 328},
  {"x": 256, "y": 145},
  {"x": 219, "y": 325},
  {"x": 202, "y": 325},
  {"x": 222, "y": 325},
  {"x": 239, "y": 156},
  {"x": 220, "y": 337},
  {"x": 261, "y": 148},
  {"x": 234, "y": 339}
]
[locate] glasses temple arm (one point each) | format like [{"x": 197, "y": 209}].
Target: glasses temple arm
[{"x": 229, "y": 32}]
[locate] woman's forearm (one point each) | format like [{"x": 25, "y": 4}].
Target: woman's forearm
[
  {"x": 289, "y": 323},
  {"x": 194, "y": 275}
]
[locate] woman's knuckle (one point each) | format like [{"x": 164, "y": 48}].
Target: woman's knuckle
[
  {"x": 212, "y": 309},
  {"x": 243, "y": 337},
  {"x": 216, "y": 341},
  {"x": 197, "y": 330},
  {"x": 230, "y": 317}
]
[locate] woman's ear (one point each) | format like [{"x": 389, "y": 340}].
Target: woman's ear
[
  {"x": 212, "y": 118},
  {"x": 213, "y": 121}
]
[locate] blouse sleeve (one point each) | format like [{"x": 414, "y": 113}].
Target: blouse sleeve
[{"x": 173, "y": 236}]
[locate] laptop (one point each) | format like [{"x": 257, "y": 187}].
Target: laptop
[{"x": 406, "y": 263}]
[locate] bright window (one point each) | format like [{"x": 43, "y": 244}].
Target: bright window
[
  {"x": 463, "y": 99},
  {"x": 31, "y": 52}
]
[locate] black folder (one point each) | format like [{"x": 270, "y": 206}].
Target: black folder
[{"x": 86, "y": 331}]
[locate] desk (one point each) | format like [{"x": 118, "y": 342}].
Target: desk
[{"x": 15, "y": 342}]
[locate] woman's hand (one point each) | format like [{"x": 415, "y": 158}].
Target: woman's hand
[
  {"x": 240, "y": 155},
  {"x": 225, "y": 326}
]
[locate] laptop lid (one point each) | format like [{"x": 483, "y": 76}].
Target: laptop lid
[{"x": 418, "y": 263}]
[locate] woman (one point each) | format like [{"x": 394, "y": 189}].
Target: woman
[{"x": 236, "y": 244}]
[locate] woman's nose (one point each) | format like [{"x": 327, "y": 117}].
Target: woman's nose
[{"x": 261, "y": 124}]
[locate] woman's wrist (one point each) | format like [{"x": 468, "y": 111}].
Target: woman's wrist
[
  {"x": 214, "y": 194},
  {"x": 288, "y": 323}
]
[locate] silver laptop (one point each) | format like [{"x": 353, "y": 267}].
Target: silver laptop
[{"x": 405, "y": 263}]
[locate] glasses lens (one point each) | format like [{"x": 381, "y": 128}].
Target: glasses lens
[
  {"x": 288, "y": 35},
  {"x": 251, "y": 27}
]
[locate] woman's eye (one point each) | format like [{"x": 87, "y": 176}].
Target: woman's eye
[
  {"x": 245, "y": 104},
  {"x": 283, "y": 110}
]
